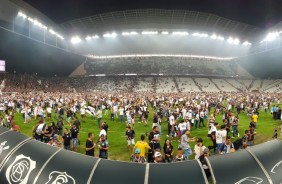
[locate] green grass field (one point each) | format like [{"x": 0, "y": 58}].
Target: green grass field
[{"x": 117, "y": 140}]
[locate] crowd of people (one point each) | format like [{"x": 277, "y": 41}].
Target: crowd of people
[
  {"x": 183, "y": 113},
  {"x": 156, "y": 65}
]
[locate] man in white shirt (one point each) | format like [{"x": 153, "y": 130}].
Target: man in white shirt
[
  {"x": 220, "y": 136},
  {"x": 170, "y": 124},
  {"x": 82, "y": 112},
  {"x": 199, "y": 148},
  {"x": 49, "y": 111},
  {"x": 99, "y": 116},
  {"x": 202, "y": 116},
  {"x": 182, "y": 127},
  {"x": 121, "y": 114}
]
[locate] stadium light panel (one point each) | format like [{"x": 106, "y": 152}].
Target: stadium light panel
[
  {"x": 109, "y": 35},
  {"x": 213, "y": 37},
  {"x": 180, "y": 33},
  {"x": 220, "y": 38},
  {"x": 96, "y": 36},
  {"x": 246, "y": 43},
  {"x": 165, "y": 33},
  {"x": 196, "y": 34},
  {"x": 52, "y": 31},
  {"x": 30, "y": 19},
  {"x": 125, "y": 33},
  {"x": 129, "y": 33},
  {"x": 21, "y": 14},
  {"x": 75, "y": 40},
  {"x": 88, "y": 38},
  {"x": 149, "y": 32},
  {"x": 271, "y": 36},
  {"x": 236, "y": 41}
]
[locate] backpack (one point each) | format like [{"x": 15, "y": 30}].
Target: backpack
[{"x": 237, "y": 143}]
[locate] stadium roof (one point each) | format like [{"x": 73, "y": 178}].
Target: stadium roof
[{"x": 162, "y": 19}]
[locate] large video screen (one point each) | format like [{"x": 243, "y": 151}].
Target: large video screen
[{"x": 2, "y": 66}]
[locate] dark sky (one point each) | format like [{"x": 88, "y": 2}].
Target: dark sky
[{"x": 260, "y": 13}]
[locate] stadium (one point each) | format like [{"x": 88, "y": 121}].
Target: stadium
[{"x": 140, "y": 92}]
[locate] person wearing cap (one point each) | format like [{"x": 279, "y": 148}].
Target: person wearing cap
[
  {"x": 158, "y": 157},
  {"x": 179, "y": 156},
  {"x": 198, "y": 149},
  {"x": 136, "y": 157},
  {"x": 203, "y": 161},
  {"x": 103, "y": 147}
]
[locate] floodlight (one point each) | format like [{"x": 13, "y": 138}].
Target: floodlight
[
  {"x": 180, "y": 33},
  {"x": 246, "y": 43},
  {"x": 271, "y": 36},
  {"x": 164, "y": 32},
  {"x": 52, "y": 31},
  {"x": 204, "y": 35},
  {"x": 125, "y": 33},
  {"x": 196, "y": 34},
  {"x": 149, "y": 32},
  {"x": 30, "y": 19},
  {"x": 236, "y": 41},
  {"x": 133, "y": 33},
  {"x": 75, "y": 40},
  {"x": 110, "y": 35},
  {"x": 21, "y": 14},
  {"x": 88, "y": 38},
  {"x": 230, "y": 40},
  {"x": 213, "y": 37},
  {"x": 96, "y": 36},
  {"x": 220, "y": 38}
]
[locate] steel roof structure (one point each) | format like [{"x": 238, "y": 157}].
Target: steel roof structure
[{"x": 161, "y": 19}]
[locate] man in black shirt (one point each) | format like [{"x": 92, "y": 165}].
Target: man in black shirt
[
  {"x": 154, "y": 138},
  {"x": 204, "y": 163},
  {"x": 129, "y": 137},
  {"x": 74, "y": 135},
  {"x": 90, "y": 145},
  {"x": 67, "y": 139}
]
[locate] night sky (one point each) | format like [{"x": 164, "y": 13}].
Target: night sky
[{"x": 260, "y": 13}]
